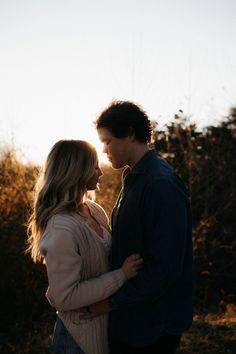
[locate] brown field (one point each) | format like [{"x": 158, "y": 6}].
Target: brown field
[{"x": 209, "y": 335}]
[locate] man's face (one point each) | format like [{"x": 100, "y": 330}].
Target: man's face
[{"x": 118, "y": 150}]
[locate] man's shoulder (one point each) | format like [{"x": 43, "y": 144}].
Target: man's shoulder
[
  {"x": 161, "y": 176},
  {"x": 159, "y": 168}
]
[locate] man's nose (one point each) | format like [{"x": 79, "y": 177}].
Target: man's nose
[{"x": 104, "y": 150}]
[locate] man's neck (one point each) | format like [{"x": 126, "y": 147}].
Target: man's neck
[{"x": 138, "y": 152}]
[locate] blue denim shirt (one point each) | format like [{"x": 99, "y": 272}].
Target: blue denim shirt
[{"x": 152, "y": 218}]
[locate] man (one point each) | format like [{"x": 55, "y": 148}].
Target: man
[{"x": 152, "y": 217}]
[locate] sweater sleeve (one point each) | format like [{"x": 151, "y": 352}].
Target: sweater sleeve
[{"x": 66, "y": 289}]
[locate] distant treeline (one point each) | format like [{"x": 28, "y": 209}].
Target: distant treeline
[{"x": 206, "y": 160}]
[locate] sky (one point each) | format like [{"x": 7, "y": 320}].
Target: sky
[{"x": 63, "y": 61}]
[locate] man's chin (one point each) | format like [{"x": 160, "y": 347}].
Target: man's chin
[{"x": 115, "y": 166}]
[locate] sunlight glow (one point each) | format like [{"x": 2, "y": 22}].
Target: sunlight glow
[{"x": 62, "y": 62}]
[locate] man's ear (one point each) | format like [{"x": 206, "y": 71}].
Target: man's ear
[
  {"x": 132, "y": 138},
  {"x": 131, "y": 134}
]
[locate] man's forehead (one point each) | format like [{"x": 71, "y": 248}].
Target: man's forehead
[{"x": 104, "y": 134}]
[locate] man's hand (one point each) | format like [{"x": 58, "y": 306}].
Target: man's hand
[
  {"x": 94, "y": 310},
  {"x": 101, "y": 307}
]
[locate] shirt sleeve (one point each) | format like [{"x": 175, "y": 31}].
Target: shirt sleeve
[
  {"x": 64, "y": 263},
  {"x": 166, "y": 221}
]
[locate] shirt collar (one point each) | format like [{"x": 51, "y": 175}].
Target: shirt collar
[{"x": 141, "y": 165}]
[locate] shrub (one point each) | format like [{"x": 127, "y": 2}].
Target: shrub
[
  {"x": 206, "y": 161},
  {"x": 22, "y": 284}
]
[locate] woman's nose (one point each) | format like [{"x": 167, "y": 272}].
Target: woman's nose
[{"x": 100, "y": 172}]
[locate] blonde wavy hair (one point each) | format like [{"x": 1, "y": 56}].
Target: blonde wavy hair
[{"x": 61, "y": 187}]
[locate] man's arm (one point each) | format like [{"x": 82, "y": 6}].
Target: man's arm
[{"x": 96, "y": 309}]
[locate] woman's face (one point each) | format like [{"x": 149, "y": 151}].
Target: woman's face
[{"x": 93, "y": 181}]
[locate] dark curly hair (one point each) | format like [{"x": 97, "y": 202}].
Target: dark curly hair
[{"x": 124, "y": 118}]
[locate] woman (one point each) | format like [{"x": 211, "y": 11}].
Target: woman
[{"x": 71, "y": 234}]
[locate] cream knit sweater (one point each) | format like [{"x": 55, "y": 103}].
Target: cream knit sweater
[{"x": 78, "y": 276}]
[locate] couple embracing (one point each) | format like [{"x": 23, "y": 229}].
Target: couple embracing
[{"x": 124, "y": 286}]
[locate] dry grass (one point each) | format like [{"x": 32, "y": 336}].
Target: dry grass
[{"x": 210, "y": 334}]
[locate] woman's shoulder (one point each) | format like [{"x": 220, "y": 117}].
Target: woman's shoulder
[
  {"x": 98, "y": 211},
  {"x": 68, "y": 222},
  {"x": 95, "y": 206},
  {"x": 60, "y": 231}
]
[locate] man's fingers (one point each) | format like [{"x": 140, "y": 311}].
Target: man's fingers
[
  {"x": 138, "y": 262},
  {"x": 85, "y": 313},
  {"x": 86, "y": 317},
  {"x": 135, "y": 256}
]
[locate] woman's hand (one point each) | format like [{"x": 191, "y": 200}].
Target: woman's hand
[{"x": 132, "y": 265}]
